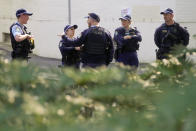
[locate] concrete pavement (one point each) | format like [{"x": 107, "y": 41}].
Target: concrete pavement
[{"x": 5, "y": 51}]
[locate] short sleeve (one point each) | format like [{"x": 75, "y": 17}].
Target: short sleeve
[{"x": 16, "y": 30}]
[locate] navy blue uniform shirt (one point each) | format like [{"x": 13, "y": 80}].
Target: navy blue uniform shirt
[{"x": 179, "y": 32}]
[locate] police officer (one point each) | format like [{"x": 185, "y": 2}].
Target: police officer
[
  {"x": 97, "y": 44},
  {"x": 20, "y": 39},
  {"x": 169, "y": 34},
  {"x": 70, "y": 54},
  {"x": 127, "y": 39}
]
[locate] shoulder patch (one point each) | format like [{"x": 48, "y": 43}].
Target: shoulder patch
[
  {"x": 116, "y": 33},
  {"x": 17, "y": 29}
]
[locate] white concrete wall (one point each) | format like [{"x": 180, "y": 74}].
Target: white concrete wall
[
  {"x": 145, "y": 14},
  {"x": 185, "y": 14},
  {"x": 50, "y": 17}
]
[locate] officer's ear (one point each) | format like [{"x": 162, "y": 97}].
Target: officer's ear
[{"x": 18, "y": 16}]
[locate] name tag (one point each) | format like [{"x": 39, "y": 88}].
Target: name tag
[{"x": 164, "y": 31}]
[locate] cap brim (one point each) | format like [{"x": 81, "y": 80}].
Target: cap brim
[
  {"x": 124, "y": 19},
  {"x": 87, "y": 17},
  {"x": 162, "y": 13},
  {"x": 30, "y": 14},
  {"x": 75, "y": 27}
]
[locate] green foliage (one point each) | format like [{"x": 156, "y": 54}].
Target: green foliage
[{"x": 118, "y": 99}]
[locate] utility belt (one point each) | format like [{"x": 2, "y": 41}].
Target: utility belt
[
  {"x": 26, "y": 45},
  {"x": 72, "y": 58},
  {"x": 119, "y": 51},
  {"x": 131, "y": 47},
  {"x": 128, "y": 50},
  {"x": 19, "y": 52}
]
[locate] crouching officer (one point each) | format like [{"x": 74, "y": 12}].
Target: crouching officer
[
  {"x": 22, "y": 42},
  {"x": 169, "y": 34},
  {"x": 70, "y": 54},
  {"x": 97, "y": 44},
  {"x": 127, "y": 39}
]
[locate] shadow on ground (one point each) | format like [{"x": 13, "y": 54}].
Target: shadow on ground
[{"x": 5, "y": 50}]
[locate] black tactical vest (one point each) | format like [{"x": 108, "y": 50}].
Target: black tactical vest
[
  {"x": 171, "y": 35},
  {"x": 132, "y": 44},
  {"x": 96, "y": 41},
  {"x": 24, "y": 46}
]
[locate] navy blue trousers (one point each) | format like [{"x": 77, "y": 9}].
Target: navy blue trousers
[{"x": 129, "y": 58}]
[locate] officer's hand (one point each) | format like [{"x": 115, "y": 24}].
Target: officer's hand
[
  {"x": 127, "y": 37},
  {"x": 62, "y": 34},
  {"x": 77, "y": 48},
  {"x": 29, "y": 37}
]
